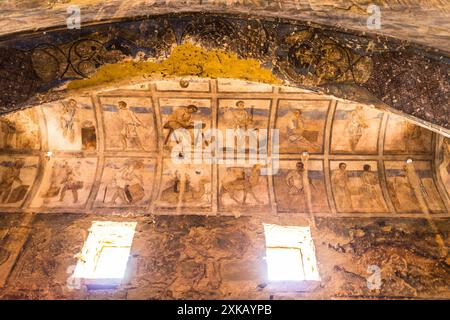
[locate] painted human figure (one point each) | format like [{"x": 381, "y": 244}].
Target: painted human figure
[
  {"x": 340, "y": 180},
  {"x": 445, "y": 161},
  {"x": 295, "y": 178},
  {"x": 180, "y": 118},
  {"x": 369, "y": 182},
  {"x": 53, "y": 188},
  {"x": 296, "y": 127},
  {"x": 298, "y": 191},
  {"x": 68, "y": 118},
  {"x": 412, "y": 134},
  {"x": 8, "y": 177},
  {"x": 242, "y": 120},
  {"x": 126, "y": 177},
  {"x": 129, "y": 123},
  {"x": 181, "y": 183},
  {"x": 355, "y": 127},
  {"x": 69, "y": 182},
  {"x": 403, "y": 194}
]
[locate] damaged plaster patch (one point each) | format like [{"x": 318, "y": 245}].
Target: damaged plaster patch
[{"x": 186, "y": 59}]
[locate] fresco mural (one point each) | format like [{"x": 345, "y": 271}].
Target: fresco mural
[
  {"x": 368, "y": 188},
  {"x": 428, "y": 187},
  {"x": 130, "y": 123},
  {"x": 186, "y": 186},
  {"x": 126, "y": 182},
  {"x": 244, "y": 115},
  {"x": 404, "y": 190},
  {"x": 301, "y": 125},
  {"x": 404, "y": 250},
  {"x": 400, "y": 189},
  {"x": 112, "y": 150},
  {"x": 14, "y": 232},
  {"x": 402, "y": 136},
  {"x": 61, "y": 241},
  {"x": 444, "y": 165},
  {"x": 290, "y": 190},
  {"x": 243, "y": 190},
  {"x": 182, "y": 257},
  {"x": 17, "y": 177},
  {"x": 182, "y": 114},
  {"x": 67, "y": 182},
  {"x": 356, "y": 186},
  {"x": 75, "y": 119},
  {"x": 20, "y": 131},
  {"x": 355, "y": 129}
]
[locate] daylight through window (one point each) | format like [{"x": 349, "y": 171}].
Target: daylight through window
[
  {"x": 290, "y": 253},
  {"x": 106, "y": 251}
]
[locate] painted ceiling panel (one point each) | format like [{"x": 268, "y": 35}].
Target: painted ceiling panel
[{"x": 110, "y": 151}]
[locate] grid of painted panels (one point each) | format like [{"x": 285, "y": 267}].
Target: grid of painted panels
[{"x": 111, "y": 155}]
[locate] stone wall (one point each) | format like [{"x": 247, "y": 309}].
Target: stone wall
[
  {"x": 425, "y": 22},
  {"x": 197, "y": 257}
]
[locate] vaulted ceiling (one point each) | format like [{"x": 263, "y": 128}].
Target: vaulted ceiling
[
  {"x": 365, "y": 67},
  {"x": 95, "y": 148},
  {"x": 362, "y": 158},
  {"x": 426, "y": 22}
]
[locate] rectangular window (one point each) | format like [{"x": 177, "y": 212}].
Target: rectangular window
[
  {"x": 284, "y": 264},
  {"x": 104, "y": 257},
  {"x": 290, "y": 253}
]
